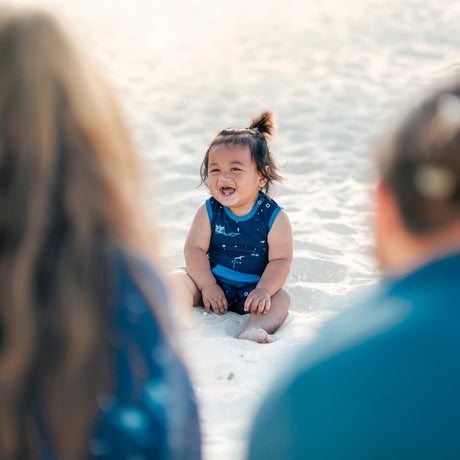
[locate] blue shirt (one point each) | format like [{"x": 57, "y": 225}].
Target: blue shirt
[
  {"x": 382, "y": 381},
  {"x": 151, "y": 413},
  {"x": 238, "y": 250}
]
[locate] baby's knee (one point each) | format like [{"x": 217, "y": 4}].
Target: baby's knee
[
  {"x": 182, "y": 281},
  {"x": 283, "y": 299},
  {"x": 178, "y": 279}
]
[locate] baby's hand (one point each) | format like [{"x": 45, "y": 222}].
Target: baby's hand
[
  {"x": 214, "y": 297},
  {"x": 258, "y": 301}
]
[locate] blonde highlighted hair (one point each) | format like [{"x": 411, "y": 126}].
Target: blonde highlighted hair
[{"x": 68, "y": 188}]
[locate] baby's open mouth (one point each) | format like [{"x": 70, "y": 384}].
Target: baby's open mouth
[{"x": 227, "y": 191}]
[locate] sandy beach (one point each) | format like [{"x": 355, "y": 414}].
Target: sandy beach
[{"x": 335, "y": 73}]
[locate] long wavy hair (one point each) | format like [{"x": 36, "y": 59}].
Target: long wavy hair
[{"x": 68, "y": 188}]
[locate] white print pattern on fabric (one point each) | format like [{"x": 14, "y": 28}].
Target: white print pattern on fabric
[{"x": 221, "y": 230}]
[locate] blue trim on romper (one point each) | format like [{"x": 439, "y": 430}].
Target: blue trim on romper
[
  {"x": 209, "y": 209},
  {"x": 228, "y": 274},
  {"x": 273, "y": 217},
  {"x": 247, "y": 216}
]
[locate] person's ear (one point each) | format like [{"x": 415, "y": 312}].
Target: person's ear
[
  {"x": 387, "y": 212},
  {"x": 381, "y": 207},
  {"x": 262, "y": 179},
  {"x": 390, "y": 233}
]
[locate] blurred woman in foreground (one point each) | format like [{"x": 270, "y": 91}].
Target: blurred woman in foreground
[
  {"x": 383, "y": 379},
  {"x": 86, "y": 364}
]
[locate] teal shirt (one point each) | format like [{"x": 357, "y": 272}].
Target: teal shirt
[{"x": 381, "y": 381}]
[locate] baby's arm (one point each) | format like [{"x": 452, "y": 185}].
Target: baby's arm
[
  {"x": 197, "y": 262},
  {"x": 279, "y": 263}
]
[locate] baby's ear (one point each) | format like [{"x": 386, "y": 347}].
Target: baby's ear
[{"x": 262, "y": 181}]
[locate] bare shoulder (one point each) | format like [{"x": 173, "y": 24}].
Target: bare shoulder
[
  {"x": 280, "y": 238},
  {"x": 200, "y": 230},
  {"x": 202, "y": 212},
  {"x": 201, "y": 218},
  {"x": 281, "y": 223}
]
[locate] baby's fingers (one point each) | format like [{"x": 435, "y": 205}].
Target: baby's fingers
[
  {"x": 268, "y": 305},
  {"x": 260, "y": 307},
  {"x": 219, "y": 306},
  {"x": 247, "y": 304},
  {"x": 263, "y": 306},
  {"x": 216, "y": 307},
  {"x": 255, "y": 306},
  {"x": 224, "y": 304}
]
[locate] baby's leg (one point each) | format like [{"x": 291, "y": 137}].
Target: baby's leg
[
  {"x": 260, "y": 327},
  {"x": 186, "y": 289}
]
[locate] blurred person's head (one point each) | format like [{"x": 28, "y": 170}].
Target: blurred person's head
[
  {"x": 418, "y": 198},
  {"x": 68, "y": 188}
]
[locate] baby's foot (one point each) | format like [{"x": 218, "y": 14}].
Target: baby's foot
[{"x": 257, "y": 335}]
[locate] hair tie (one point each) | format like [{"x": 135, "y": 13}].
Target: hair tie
[{"x": 435, "y": 182}]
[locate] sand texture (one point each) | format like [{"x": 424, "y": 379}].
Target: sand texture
[{"x": 335, "y": 73}]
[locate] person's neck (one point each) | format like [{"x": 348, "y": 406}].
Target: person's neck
[{"x": 418, "y": 250}]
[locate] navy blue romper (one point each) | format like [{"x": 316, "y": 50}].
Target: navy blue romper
[{"x": 238, "y": 251}]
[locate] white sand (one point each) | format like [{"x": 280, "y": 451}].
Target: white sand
[{"x": 334, "y": 72}]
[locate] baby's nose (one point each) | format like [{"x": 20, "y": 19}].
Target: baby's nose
[{"x": 225, "y": 176}]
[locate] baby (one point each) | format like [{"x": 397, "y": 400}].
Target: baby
[{"x": 238, "y": 250}]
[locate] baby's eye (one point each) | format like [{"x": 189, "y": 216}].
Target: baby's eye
[
  {"x": 214, "y": 170},
  {"x": 236, "y": 169}
]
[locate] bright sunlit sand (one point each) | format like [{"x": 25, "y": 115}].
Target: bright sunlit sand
[{"x": 334, "y": 73}]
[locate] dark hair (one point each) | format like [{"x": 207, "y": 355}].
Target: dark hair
[
  {"x": 63, "y": 150},
  {"x": 256, "y": 137},
  {"x": 421, "y": 162}
]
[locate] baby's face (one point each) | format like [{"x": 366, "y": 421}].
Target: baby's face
[{"x": 233, "y": 177}]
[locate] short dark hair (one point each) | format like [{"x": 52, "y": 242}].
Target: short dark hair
[{"x": 421, "y": 162}]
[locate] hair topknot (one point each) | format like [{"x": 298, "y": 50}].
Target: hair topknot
[
  {"x": 264, "y": 123},
  {"x": 256, "y": 137}
]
